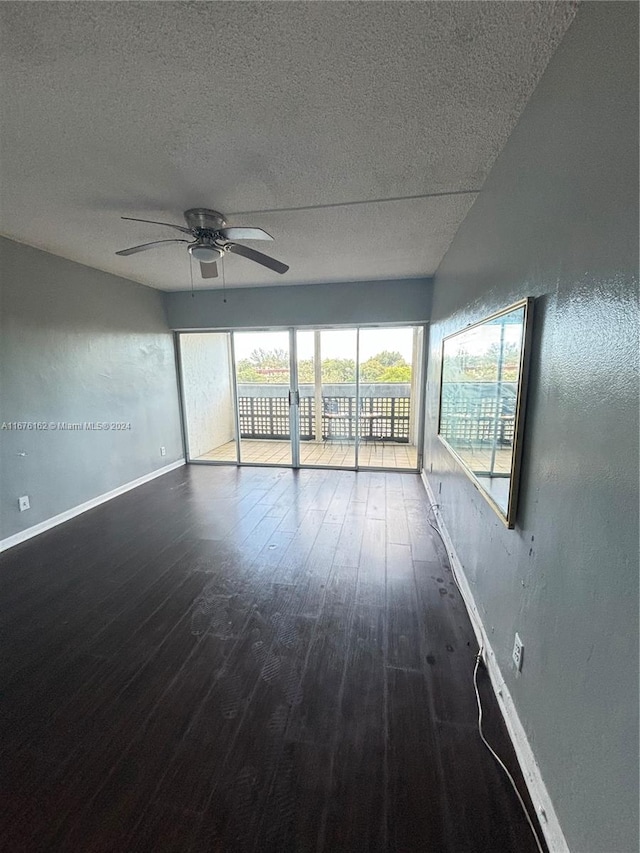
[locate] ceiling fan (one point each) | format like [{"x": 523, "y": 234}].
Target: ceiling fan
[{"x": 212, "y": 239}]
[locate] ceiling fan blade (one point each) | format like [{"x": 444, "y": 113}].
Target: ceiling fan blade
[
  {"x": 258, "y": 257},
  {"x": 144, "y": 246},
  {"x": 153, "y": 222},
  {"x": 240, "y": 233},
  {"x": 209, "y": 270}
]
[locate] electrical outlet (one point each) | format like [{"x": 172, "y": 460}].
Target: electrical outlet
[
  {"x": 23, "y": 503},
  {"x": 518, "y": 652},
  {"x": 163, "y": 451}
]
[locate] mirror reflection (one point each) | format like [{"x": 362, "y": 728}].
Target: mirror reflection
[{"x": 479, "y": 402}]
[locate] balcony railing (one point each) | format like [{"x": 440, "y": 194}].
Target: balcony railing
[
  {"x": 381, "y": 418},
  {"x": 473, "y": 414}
]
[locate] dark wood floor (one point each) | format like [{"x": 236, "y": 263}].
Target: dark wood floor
[{"x": 247, "y": 660}]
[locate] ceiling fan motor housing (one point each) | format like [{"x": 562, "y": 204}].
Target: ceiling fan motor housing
[{"x": 205, "y": 219}]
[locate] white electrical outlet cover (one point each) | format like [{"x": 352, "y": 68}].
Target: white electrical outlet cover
[
  {"x": 518, "y": 650},
  {"x": 23, "y": 503}
]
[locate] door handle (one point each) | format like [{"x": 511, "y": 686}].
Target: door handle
[{"x": 294, "y": 398}]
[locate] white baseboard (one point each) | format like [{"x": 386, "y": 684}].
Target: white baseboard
[
  {"x": 547, "y": 817},
  {"x": 30, "y": 532}
]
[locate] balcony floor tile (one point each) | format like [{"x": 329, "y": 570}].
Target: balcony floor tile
[{"x": 334, "y": 454}]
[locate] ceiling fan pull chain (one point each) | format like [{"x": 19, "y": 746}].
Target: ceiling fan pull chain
[{"x": 224, "y": 284}]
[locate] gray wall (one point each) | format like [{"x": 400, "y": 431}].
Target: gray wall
[
  {"x": 78, "y": 345},
  {"x": 403, "y": 301},
  {"x": 558, "y": 220}
]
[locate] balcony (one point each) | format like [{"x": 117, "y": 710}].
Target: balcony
[{"x": 385, "y": 426}]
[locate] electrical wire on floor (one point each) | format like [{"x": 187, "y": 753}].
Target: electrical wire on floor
[
  {"x": 497, "y": 757},
  {"x": 479, "y": 657},
  {"x": 470, "y": 609}
]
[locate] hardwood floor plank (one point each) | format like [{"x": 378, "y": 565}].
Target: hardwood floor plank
[
  {"x": 235, "y": 808},
  {"x": 31, "y": 710},
  {"x": 337, "y": 509},
  {"x": 293, "y": 814},
  {"x": 417, "y": 818},
  {"x": 377, "y": 498},
  {"x": 112, "y": 816},
  {"x": 236, "y": 659},
  {"x": 68, "y": 572},
  {"x": 188, "y": 781},
  {"x": 350, "y": 540},
  {"x": 421, "y": 534},
  {"x": 402, "y": 609},
  {"x": 314, "y": 717},
  {"x": 372, "y": 564},
  {"x": 91, "y": 744},
  {"x": 359, "y": 751},
  {"x": 300, "y": 546},
  {"x": 168, "y": 828},
  {"x": 396, "y": 514},
  {"x": 449, "y": 644},
  {"x": 322, "y": 554},
  {"x": 70, "y": 615}
]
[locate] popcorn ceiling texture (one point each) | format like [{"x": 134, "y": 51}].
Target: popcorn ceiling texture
[{"x": 146, "y": 109}]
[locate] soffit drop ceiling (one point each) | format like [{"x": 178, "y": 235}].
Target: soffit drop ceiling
[{"x": 356, "y": 133}]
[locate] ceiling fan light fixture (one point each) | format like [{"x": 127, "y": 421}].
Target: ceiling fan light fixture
[{"x": 205, "y": 254}]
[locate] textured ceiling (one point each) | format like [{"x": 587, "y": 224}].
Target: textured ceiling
[{"x": 292, "y": 111}]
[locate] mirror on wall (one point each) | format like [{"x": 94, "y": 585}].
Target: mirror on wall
[{"x": 482, "y": 395}]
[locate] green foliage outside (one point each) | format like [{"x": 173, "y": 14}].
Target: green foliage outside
[
  {"x": 483, "y": 367},
  {"x": 272, "y": 368},
  {"x": 397, "y": 373}
]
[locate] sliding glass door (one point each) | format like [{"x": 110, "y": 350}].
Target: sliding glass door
[
  {"x": 326, "y": 362},
  {"x": 263, "y": 381},
  {"x": 208, "y": 396},
  {"x": 336, "y": 398},
  {"x": 389, "y": 370}
]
